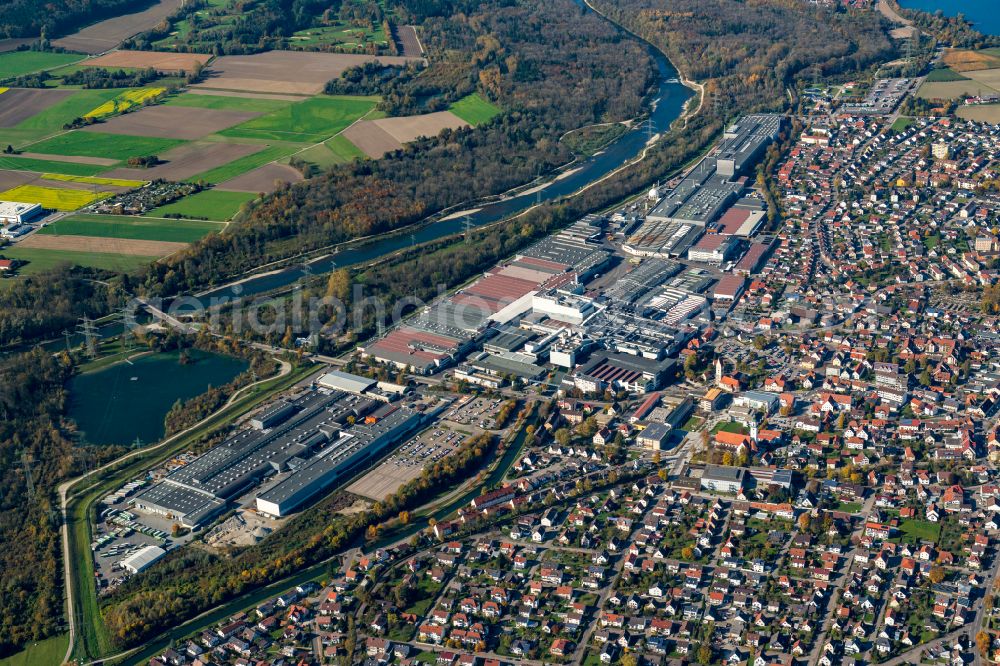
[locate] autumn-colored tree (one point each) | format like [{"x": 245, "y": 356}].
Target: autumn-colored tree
[{"x": 937, "y": 575}]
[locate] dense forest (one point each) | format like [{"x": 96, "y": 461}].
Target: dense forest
[
  {"x": 550, "y": 67},
  {"x": 32, "y": 401},
  {"x": 28, "y": 18}
]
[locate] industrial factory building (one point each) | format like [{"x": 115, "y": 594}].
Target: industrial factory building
[{"x": 322, "y": 429}]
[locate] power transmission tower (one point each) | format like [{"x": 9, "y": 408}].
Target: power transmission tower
[
  {"x": 26, "y": 463},
  {"x": 89, "y": 330},
  {"x": 467, "y": 223},
  {"x": 66, "y": 335}
]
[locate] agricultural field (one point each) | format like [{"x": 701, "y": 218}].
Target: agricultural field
[
  {"x": 106, "y": 35},
  {"x": 952, "y": 90},
  {"x": 964, "y": 60},
  {"x": 131, "y": 228},
  {"x": 53, "y": 198},
  {"x": 375, "y": 138},
  {"x": 984, "y": 113},
  {"x": 48, "y": 652},
  {"x": 242, "y": 165},
  {"x": 20, "y": 163},
  {"x": 285, "y": 72},
  {"x": 40, "y": 260},
  {"x": 264, "y": 179},
  {"x": 475, "y": 110},
  {"x": 126, "y": 101},
  {"x": 17, "y": 63},
  {"x": 310, "y": 121},
  {"x": 205, "y": 205},
  {"x": 943, "y": 74},
  {"x": 988, "y": 80},
  {"x": 162, "y": 62},
  {"x": 96, "y": 144},
  {"x": 173, "y": 122}
]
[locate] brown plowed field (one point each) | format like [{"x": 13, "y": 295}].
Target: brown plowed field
[
  {"x": 19, "y": 104},
  {"x": 138, "y": 248},
  {"x": 161, "y": 62},
  {"x": 410, "y": 128},
  {"x": 371, "y": 139},
  {"x": 106, "y": 35},
  {"x": 284, "y": 72},
  {"x": 189, "y": 160},
  {"x": 262, "y": 179},
  {"x": 172, "y": 122}
]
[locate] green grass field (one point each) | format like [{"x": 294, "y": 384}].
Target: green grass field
[
  {"x": 208, "y": 204},
  {"x": 920, "y": 530},
  {"x": 48, "y": 652},
  {"x": 16, "y": 63},
  {"x": 343, "y": 35},
  {"x": 944, "y": 74},
  {"x": 244, "y": 164},
  {"x": 310, "y": 121},
  {"x": 40, "y": 260},
  {"x": 249, "y": 104},
  {"x": 131, "y": 228},
  {"x": 96, "y": 144},
  {"x": 474, "y": 110},
  {"x": 336, "y": 150},
  {"x": 344, "y": 149},
  {"x": 902, "y": 123},
  {"x": 48, "y": 166}
]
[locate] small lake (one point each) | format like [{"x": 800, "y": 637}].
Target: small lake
[
  {"x": 982, "y": 14},
  {"x": 116, "y": 404}
]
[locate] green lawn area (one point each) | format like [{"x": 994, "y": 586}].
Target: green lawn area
[
  {"x": 920, "y": 530},
  {"x": 310, "y": 121},
  {"x": 96, "y": 144},
  {"x": 48, "y": 652},
  {"x": 344, "y": 149},
  {"x": 16, "y": 63},
  {"x": 43, "y": 260},
  {"x": 208, "y": 204},
  {"x": 336, "y": 150},
  {"x": 849, "y": 507},
  {"x": 902, "y": 123},
  {"x": 244, "y": 164},
  {"x": 48, "y": 166},
  {"x": 341, "y": 34},
  {"x": 249, "y": 104},
  {"x": 943, "y": 74},
  {"x": 730, "y": 426},
  {"x": 132, "y": 228},
  {"x": 474, "y": 110}
]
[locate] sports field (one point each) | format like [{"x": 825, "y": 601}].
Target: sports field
[
  {"x": 51, "y": 197},
  {"x": 131, "y": 228},
  {"x": 16, "y": 63},
  {"x": 310, "y": 121},
  {"x": 96, "y": 144},
  {"x": 474, "y": 110},
  {"x": 207, "y": 204}
]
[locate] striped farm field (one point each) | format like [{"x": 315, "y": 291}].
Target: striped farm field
[
  {"x": 97, "y": 144},
  {"x": 52, "y": 198},
  {"x": 94, "y": 180},
  {"x": 48, "y": 167},
  {"x": 132, "y": 228},
  {"x": 125, "y": 101}
]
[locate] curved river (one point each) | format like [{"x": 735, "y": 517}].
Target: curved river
[{"x": 664, "y": 107}]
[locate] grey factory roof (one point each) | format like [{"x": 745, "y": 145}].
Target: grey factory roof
[{"x": 341, "y": 454}]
